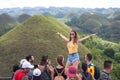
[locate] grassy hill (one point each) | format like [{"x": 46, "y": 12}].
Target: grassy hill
[
  {"x": 6, "y": 23},
  {"x": 35, "y": 36}
]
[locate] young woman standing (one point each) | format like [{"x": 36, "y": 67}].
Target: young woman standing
[{"x": 72, "y": 45}]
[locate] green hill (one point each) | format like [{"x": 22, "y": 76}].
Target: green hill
[
  {"x": 6, "y": 23},
  {"x": 35, "y": 36},
  {"x": 107, "y": 28},
  {"x": 89, "y": 22},
  {"x": 23, "y": 17}
]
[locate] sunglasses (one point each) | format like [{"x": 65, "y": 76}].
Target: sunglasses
[{"x": 72, "y": 34}]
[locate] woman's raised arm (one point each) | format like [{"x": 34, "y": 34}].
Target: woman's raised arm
[
  {"x": 87, "y": 37},
  {"x": 62, "y": 36}
]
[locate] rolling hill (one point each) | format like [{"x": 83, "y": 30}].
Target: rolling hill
[
  {"x": 23, "y": 17},
  {"x": 6, "y": 23},
  {"x": 36, "y": 36},
  {"x": 90, "y": 22}
]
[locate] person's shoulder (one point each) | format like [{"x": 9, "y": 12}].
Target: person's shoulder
[
  {"x": 103, "y": 75},
  {"x": 18, "y": 71},
  {"x": 30, "y": 72},
  {"x": 57, "y": 67},
  {"x": 25, "y": 77}
]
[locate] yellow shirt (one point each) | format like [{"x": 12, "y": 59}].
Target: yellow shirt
[{"x": 72, "y": 47}]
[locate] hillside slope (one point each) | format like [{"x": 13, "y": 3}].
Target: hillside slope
[
  {"x": 6, "y": 23},
  {"x": 36, "y": 36}
]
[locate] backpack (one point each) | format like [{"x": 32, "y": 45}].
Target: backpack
[
  {"x": 45, "y": 75},
  {"x": 95, "y": 71},
  {"x": 36, "y": 74},
  {"x": 84, "y": 77},
  {"x": 59, "y": 75},
  {"x": 36, "y": 78}
]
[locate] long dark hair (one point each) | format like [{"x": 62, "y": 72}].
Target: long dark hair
[
  {"x": 75, "y": 37},
  {"x": 60, "y": 60},
  {"x": 43, "y": 60},
  {"x": 84, "y": 66}
]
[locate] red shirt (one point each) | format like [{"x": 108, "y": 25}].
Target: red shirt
[{"x": 19, "y": 75}]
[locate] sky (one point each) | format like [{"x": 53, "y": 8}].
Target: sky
[{"x": 60, "y": 3}]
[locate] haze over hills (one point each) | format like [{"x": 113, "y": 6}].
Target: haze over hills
[
  {"x": 55, "y": 10},
  {"x": 35, "y": 36}
]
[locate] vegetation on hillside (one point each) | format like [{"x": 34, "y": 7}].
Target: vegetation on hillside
[
  {"x": 6, "y": 23},
  {"x": 35, "y": 36},
  {"x": 105, "y": 50},
  {"x": 107, "y": 28}
]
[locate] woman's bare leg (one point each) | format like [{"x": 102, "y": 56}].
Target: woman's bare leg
[
  {"x": 67, "y": 66},
  {"x": 76, "y": 63}
]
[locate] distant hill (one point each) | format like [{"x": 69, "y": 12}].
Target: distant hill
[
  {"x": 111, "y": 32},
  {"x": 6, "y": 18},
  {"x": 115, "y": 15},
  {"x": 6, "y": 23},
  {"x": 54, "y": 10},
  {"x": 35, "y": 36},
  {"x": 23, "y": 17},
  {"x": 89, "y": 22}
]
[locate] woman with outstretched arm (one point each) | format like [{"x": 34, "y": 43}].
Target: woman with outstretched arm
[{"x": 72, "y": 45}]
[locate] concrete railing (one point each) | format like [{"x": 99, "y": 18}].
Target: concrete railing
[{"x": 5, "y": 78}]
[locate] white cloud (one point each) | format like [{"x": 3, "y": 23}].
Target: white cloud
[{"x": 60, "y": 3}]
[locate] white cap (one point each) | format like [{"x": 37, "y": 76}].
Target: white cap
[
  {"x": 27, "y": 64},
  {"x": 36, "y": 72},
  {"x": 22, "y": 61}
]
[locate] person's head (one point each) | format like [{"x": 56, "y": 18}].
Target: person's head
[
  {"x": 60, "y": 60},
  {"x": 48, "y": 61},
  {"x": 21, "y": 62},
  {"x": 88, "y": 57},
  {"x": 71, "y": 73},
  {"x": 26, "y": 66},
  {"x": 44, "y": 60},
  {"x": 15, "y": 67},
  {"x": 36, "y": 66},
  {"x": 84, "y": 66},
  {"x": 30, "y": 58},
  {"x": 108, "y": 65},
  {"x": 36, "y": 73},
  {"x": 74, "y": 36}
]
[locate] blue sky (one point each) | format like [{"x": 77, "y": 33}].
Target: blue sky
[{"x": 60, "y": 3}]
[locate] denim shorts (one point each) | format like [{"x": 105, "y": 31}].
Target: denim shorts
[{"x": 73, "y": 57}]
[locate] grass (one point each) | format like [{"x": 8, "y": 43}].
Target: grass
[{"x": 36, "y": 36}]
